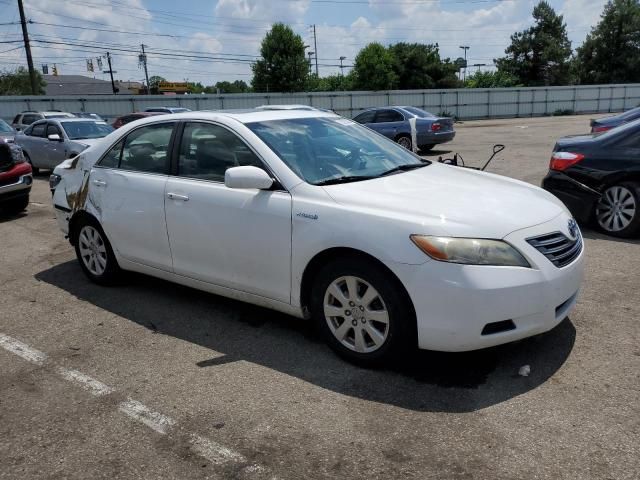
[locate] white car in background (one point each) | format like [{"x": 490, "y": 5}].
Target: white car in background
[{"x": 314, "y": 215}]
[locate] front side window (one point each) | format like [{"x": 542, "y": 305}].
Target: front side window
[
  {"x": 37, "y": 130},
  {"x": 53, "y": 129},
  {"x": 207, "y": 150},
  {"x": 88, "y": 129},
  {"x": 147, "y": 149},
  {"x": 322, "y": 149}
]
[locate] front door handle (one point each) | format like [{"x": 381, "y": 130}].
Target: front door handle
[
  {"x": 175, "y": 196},
  {"x": 100, "y": 183}
]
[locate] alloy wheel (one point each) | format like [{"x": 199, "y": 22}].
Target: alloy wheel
[
  {"x": 93, "y": 250},
  {"x": 616, "y": 209},
  {"x": 356, "y": 314},
  {"x": 405, "y": 142}
]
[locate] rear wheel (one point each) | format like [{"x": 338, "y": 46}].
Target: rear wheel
[
  {"x": 35, "y": 170},
  {"x": 405, "y": 141},
  {"x": 618, "y": 210},
  {"x": 363, "y": 315},
  {"x": 426, "y": 148},
  {"x": 94, "y": 252}
]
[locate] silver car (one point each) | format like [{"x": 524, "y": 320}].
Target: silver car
[{"x": 47, "y": 143}]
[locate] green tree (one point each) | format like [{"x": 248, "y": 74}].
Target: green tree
[
  {"x": 237, "y": 86},
  {"x": 491, "y": 80},
  {"x": 418, "y": 66},
  {"x": 283, "y": 66},
  {"x": 331, "y": 83},
  {"x": 18, "y": 82},
  {"x": 374, "y": 69},
  {"x": 539, "y": 55},
  {"x": 611, "y": 52}
]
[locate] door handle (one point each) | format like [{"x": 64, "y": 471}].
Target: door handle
[
  {"x": 100, "y": 183},
  {"x": 175, "y": 196}
]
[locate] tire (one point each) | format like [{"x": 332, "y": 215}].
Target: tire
[
  {"x": 94, "y": 252},
  {"x": 35, "y": 170},
  {"x": 361, "y": 340},
  {"x": 617, "y": 213},
  {"x": 426, "y": 148},
  {"x": 405, "y": 141},
  {"x": 15, "y": 206}
]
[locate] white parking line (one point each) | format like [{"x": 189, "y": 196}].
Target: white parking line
[
  {"x": 208, "y": 449},
  {"x": 22, "y": 350},
  {"x": 93, "y": 386},
  {"x": 154, "y": 420}
]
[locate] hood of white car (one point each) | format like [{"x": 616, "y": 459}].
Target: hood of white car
[{"x": 459, "y": 201}]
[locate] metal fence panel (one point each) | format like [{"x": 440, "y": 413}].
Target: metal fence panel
[{"x": 463, "y": 103}]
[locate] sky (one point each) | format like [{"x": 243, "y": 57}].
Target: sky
[{"x": 209, "y": 41}]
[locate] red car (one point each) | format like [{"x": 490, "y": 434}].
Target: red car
[
  {"x": 15, "y": 179},
  {"x": 130, "y": 117}
]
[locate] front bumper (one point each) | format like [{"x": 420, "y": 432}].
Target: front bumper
[
  {"x": 16, "y": 188},
  {"x": 454, "y": 303},
  {"x": 579, "y": 199}
]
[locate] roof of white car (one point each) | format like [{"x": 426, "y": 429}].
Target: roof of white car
[{"x": 245, "y": 116}]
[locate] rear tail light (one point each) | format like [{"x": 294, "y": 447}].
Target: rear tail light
[
  {"x": 562, "y": 160},
  {"x": 436, "y": 127},
  {"x": 601, "y": 128}
]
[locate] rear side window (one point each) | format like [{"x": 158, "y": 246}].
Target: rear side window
[
  {"x": 147, "y": 149},
  {"x": 388, "y": 116},
  {"x": 112, "y": 158},
  {"x": 38, "y": 130}
]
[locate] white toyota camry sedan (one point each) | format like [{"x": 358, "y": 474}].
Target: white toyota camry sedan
[{"x": 314, "y": 215}]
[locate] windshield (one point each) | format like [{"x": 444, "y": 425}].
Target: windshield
[
  {"x": 321, "y": 150},
  {"x": 4, "y": 127},
  {"x": 418, "y": 112},
  {"x": 83, "y": 130}
]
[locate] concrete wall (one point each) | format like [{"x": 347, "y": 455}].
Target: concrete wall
[{"x": 463, "y": 103}]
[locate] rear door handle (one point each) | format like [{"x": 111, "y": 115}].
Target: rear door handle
[
  {"x": 100, "y": 183},
  {"x": 175, "y": 196}
]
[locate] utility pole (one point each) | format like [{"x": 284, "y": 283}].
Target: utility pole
[
  {"x": 111, "y": 72},
  {"x": 146, "y": 73},
  {"x": 310, "y": 55},
  {"x": 27, "y": 47},
  {"x": 342, "y": 66},
  {"x": 465, "y": 48},
  {"x": 315, "y": 46}
]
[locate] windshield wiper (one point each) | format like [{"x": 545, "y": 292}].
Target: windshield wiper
[
  {"x": 403, "y": 168},
  {"x": 345, "y": 179}
]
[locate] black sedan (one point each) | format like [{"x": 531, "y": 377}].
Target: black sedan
[
  {"x": 607, "y": 123},
  {"x": 597, "y": 176}
]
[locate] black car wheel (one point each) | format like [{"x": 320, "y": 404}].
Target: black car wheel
[
  {"x": 364, "y": 316},
  {"x": 15, "y": 206},
  {"x": 617, "y": 211}
]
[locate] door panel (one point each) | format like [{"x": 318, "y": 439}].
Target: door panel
[
  {"x": 231, "y": 237},
  {"x": 56, "y": 151}
]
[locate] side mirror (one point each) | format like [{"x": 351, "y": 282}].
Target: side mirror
[
  {"x": 247, "y": 177},
  {"x": 54, "y": 137}
]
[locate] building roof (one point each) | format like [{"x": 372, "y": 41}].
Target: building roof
[{"x": 79, "y": 85}]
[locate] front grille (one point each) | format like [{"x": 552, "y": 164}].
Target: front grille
[{"x": 559, "y": 249}]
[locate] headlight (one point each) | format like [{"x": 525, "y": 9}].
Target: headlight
[{"x": 470, "y": 251}]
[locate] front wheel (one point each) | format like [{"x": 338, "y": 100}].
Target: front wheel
[
  {"x": 94, "y": 252},
  {"x": 363, "y": 315},
  {"x": 618, "y": 210}
]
